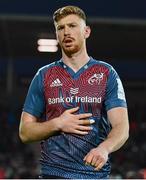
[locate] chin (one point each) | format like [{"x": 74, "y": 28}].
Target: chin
[{"x": 71, "y": 50}]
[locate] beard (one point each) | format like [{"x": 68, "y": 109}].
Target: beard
[{"x": 71, "y": 50}]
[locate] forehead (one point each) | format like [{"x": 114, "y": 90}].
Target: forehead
[{"x": 72, "y": 18}]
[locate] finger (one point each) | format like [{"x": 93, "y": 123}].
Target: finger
[
  {"x": 85, "y": 158},
  {"x": 98, "y": 161},
  {"x": 83, "y": 116},
  {"x": 88, "y": 158},
  {"x": 87, "y": 122},
  {"x": 84, "y": 128},
  {"x": 72, "y": 110},
  {"x": 99, "y": 166},
  {"x": 94, "y": 161},
  {"x": 80, "y": 132}
]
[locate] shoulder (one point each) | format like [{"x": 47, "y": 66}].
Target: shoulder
[
  {"x": 102, "y": 63},
  {"x": 104, "y": 66},
  {"x": 47, "y": 67}
]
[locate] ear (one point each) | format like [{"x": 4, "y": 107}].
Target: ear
[
  {"x": 57, "y": 37},
  {"x": 55, "y": 26},
  {"x": 87, "y": 31}
]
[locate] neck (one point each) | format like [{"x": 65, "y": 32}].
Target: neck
[{"x": 76, "y": 60}]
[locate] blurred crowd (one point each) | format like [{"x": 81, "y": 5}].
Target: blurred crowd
[
  {"x": 20, "y": 161},
  {"x": 17, "y": 160}
]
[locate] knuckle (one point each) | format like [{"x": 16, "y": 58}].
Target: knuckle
[
  {"x": 80, "y": 128},
  {"x": 103, "y": 159}
]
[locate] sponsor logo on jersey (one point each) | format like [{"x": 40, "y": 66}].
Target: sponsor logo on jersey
[
  {"x": 95, "y": 79},
  {"x": 74, "y": 90},
  {"x": 75, "y": 99},
  {"x": 56, "y": 83}
]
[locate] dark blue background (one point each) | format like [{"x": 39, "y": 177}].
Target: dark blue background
[{"x": 101, "y": 8}]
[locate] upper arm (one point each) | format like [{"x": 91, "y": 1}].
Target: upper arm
[
  {"x": 118, "y": 116},
  {"x": 115, "y": 101},
  {"x": 115, "y": 95},
  {"x": 26, "y": 118},
  {"x": 33, "y": 107},
  {"x": 35, "y": 101}
]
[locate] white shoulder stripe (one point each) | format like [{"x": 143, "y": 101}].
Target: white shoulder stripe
[{"x": 121, "y": 93}]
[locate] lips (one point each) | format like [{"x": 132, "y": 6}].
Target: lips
[{"x": 68, "y": 40}]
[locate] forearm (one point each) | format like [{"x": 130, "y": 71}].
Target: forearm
[
  {"x": 36, "y": 131},
  {"x": 116, "y": 138},
  {"x": 97, "y": 157},
  {"x": 32, "y": 130}
]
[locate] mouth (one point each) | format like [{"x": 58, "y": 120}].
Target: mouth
[{"x": 67, "y": 40}]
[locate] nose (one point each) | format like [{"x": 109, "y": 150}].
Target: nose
[{"x": 66, "y": 30}]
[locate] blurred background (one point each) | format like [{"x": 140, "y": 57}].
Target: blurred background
[{"x": 118, "y": 37}]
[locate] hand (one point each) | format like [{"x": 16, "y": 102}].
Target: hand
[
  {"x": 97, "y": 157},
  {"x": 75, "y": 123}
]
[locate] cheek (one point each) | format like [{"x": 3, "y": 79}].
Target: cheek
[
  {"x": 59, "y": 38},
  {"x": 78, "y": 34},
  {"x": 81, "y": 36}
]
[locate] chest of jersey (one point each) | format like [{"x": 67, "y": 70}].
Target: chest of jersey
[{"x": 85, "y": 89}]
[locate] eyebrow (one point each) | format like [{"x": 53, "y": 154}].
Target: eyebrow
[{"x": 66, "y": 24}]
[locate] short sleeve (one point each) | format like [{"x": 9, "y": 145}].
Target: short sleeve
[
  {"x": 115, "y": 95},
  {"x": 35, "y": 101}
]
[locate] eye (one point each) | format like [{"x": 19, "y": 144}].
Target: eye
[
  {"x": 60, "y": 28},
  {"x": 72, "y": 25}
]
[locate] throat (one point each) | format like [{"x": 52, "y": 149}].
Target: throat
[
  {"x": 76, "y": 68},
  {"x": 76, "y": 64}
]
